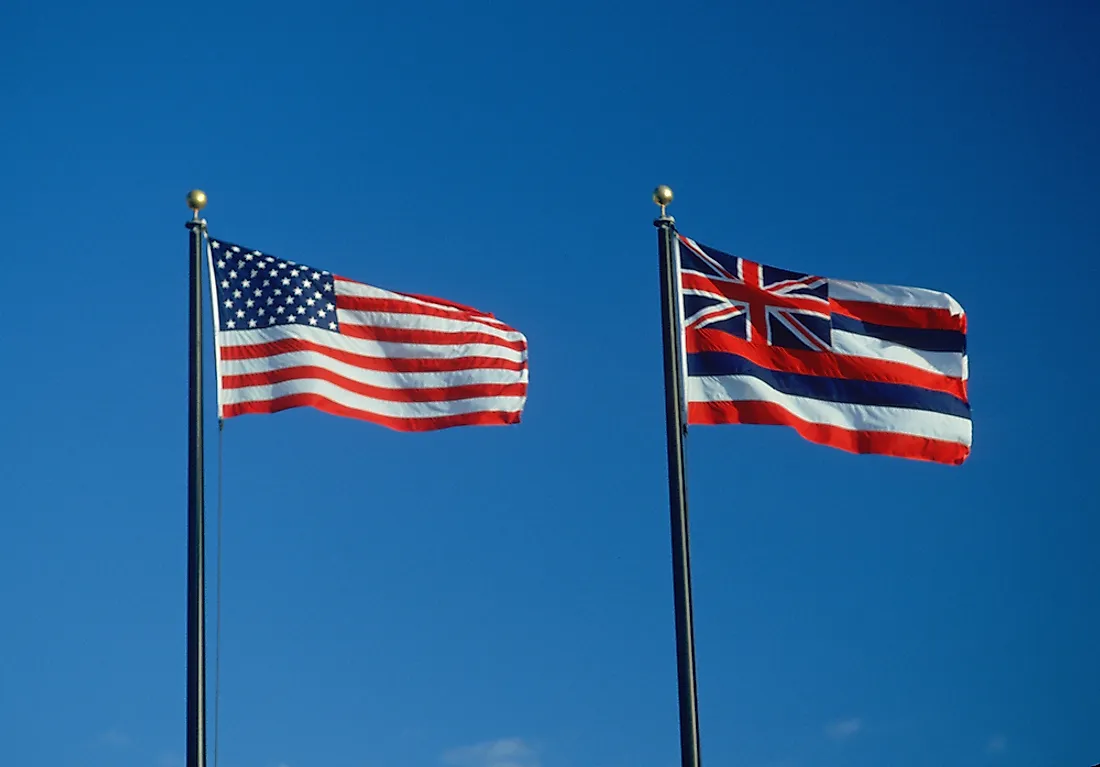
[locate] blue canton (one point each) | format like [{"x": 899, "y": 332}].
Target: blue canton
[{"x": 258, "y": 291}]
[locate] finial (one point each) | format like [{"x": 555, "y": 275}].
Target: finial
[
  {"x": 196, "y": 201},
  {"x": 662, "y": 195}
]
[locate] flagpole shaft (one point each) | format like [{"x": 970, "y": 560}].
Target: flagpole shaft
[
  {"x": 677, "y": 496},
  {"x": 196, "y": 631}
]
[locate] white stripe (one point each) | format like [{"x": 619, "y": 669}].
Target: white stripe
[
  {"x": 896, "y": 420},
  {"x": 384, "y": 379},
  {"x": 364, "y": 346},
  {"x": 423, "y": 322},
  {"x": 371, "y": 405},
  {"x": 347, "y": 287},
  {"x": 896, "y": 295},
  {"x": 950, "y": 364}
]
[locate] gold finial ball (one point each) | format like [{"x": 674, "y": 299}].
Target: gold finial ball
[
  {"x": 196, "y": 200},
  {"x": 662, "y": 195}
]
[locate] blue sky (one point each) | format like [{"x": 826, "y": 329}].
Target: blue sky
[{"x": 502, "y": 597}]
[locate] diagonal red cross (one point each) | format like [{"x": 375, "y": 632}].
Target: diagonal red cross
[{"x": 751, "y": 291}]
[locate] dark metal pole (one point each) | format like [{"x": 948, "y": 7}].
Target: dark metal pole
[
  {"x": 677, "y": 487},
  {"x": 196, "y": 602}
]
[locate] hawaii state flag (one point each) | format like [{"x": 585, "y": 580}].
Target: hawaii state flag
[{"x": 861, "y": 367}]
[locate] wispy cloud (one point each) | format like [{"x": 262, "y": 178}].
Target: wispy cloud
[
  {"x": 113, "y": 738},
  {"x": 997, "y": 744},
  {"x": 844, "y": 729},
  {"x": 506, "y": 752},
  {"x": 169, "y": 760}
]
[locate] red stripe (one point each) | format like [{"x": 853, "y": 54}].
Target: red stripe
[
  {"x": 429, "y": 299},
  {"x": 430, "y": 337},
  {"x": 900, "y": 316},
  {"x": 862, "y": 442},
  {"x": 825, "y": 364},
  {"x": 435, "y": 394},
  {"x": 397, "y": 306},
  {"x": 387, "y": 364},
  {"x": 482, "y": 418}
]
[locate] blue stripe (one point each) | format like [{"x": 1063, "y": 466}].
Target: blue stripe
[
  {"x": 914, "y": 338},
  {"x": 829, "y": 389}
]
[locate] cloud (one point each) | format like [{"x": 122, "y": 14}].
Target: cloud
[
  {"x": 113, "y": 738},
  {"x": 506, "y": 752},
  {"x": 844, "y": 728},
  {"x": 169, "y": 760},
  {"x": 997, "y": 744}
]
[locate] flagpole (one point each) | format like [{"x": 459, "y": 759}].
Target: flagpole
[
  {"x": 196, "y": 631},
  {"x": 677, "y": 485}
]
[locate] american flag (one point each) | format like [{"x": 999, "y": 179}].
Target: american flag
[
  {"x": 291, "y": 335},
  {"x": 857, "y": 366}
]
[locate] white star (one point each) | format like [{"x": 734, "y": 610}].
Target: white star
[
  {"x": 316, "y": 294},
  {"x": 236, "y": 294},
  {"x": 254, "y": 272},
  {"x": 293, "y": 272},
  {"x": 292, "y": 318},
  {"x": 232, "y": 275},
  {"x": 290, "y": 299},
  {"x": 328, "y": 286},
  {"x": 252, "y": 323},
  {"x": 221, "y": 264},
  {"x": 240, "y": 314},
  {"x": 274, "y": 272},
  {"x": 310, "y": 301},
  {"x": 240, "y": 264},
  {"x": 312, "y": 320},
  {"x": 282, "y": 265},
  {"x": 270, "y": 300},
  {"x": 330, "y": 307},
  {"x": 279, "y": 310},
  {"x": 297, "y": 291},
  {"x": 260, "y": 311},
  {"x": 257, "y": 292},
  {"x": 286, "y": 280},
  {"x": 301, "y": 310},
  {"x": 250, "y": 303},
  {"x": 322, "y": 313},
  {"x": 278, "y": 291},
  {"x": 228, "y": 304},
  {"x": 267, "y": 283},
  {"x": 249, "y": 257},
  {"x": 332, "y": 326},
  {"x": 316, "y": 276},
  {"x": 270, "y": 320},
  {"x": 246, "y": 283},
  {"x": 307, "y": 283},
  {"x": 215, "y": 244},
  {"x": 231, "y": 324},
  {"x": 236, "y": 249},
  {"x": 225, "y": 284}
]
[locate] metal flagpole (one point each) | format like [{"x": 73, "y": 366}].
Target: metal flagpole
[
  {"x": 196, "y": 602},
  {"x": 677, "y": 484}
]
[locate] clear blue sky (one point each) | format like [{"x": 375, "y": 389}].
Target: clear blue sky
[{"x": 502, "y": 597}]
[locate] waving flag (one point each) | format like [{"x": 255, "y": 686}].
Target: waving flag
[
  {"x": 290, "y": 335},
  {"x": 860, "y": 367}
]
